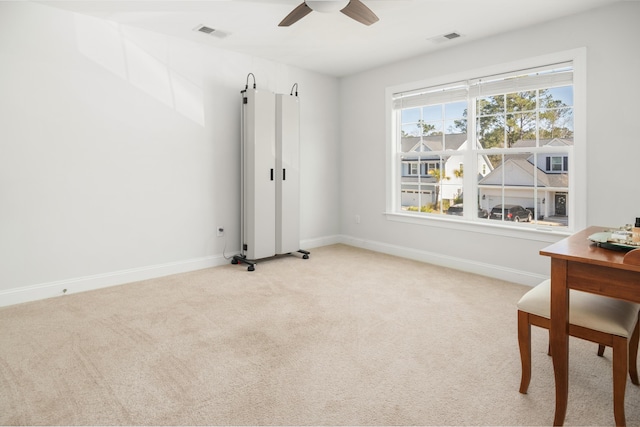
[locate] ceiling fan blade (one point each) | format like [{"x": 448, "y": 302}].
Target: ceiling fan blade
[
  {"x": 296, "y": 14},
  {"x": 361, "y": 13}
]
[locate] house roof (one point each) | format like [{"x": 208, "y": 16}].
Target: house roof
[
  {"x": 553, "y": 142},
  {"x": 522, "y": 162},
  {"x": 452, "y": 141}
]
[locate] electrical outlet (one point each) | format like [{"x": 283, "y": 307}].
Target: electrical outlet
[
  {"x": 357, "y": 218},
  {"x": 220, "y": 231}
]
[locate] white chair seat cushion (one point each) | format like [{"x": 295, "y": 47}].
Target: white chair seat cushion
[{"x": 600, "y": 313}]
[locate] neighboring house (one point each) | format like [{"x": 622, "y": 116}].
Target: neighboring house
[
  {"x": 520, "y": 173},
  {"x": 418, "y": 185}
]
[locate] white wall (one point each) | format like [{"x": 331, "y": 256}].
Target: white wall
[
  {"x": 119, "y": 151},
  {"x": 611, "y": 37},
  {"x": 119, "y": 148}
]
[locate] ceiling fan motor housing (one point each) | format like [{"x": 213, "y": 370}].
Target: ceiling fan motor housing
[
  {"x": 327, "y": 6},
  {"x": 354, "y": 9}
]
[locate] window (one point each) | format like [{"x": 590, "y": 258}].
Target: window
[
  {"x": 557, "y": 164},
  {"x": 501, "y": 140}
]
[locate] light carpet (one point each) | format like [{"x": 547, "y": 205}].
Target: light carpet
[{"x": 347, "y": 337}]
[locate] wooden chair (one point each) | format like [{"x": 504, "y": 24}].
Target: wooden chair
[{"x": 606, "y": 321}]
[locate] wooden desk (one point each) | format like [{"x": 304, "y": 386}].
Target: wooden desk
[{"x": 577, "y": 263}]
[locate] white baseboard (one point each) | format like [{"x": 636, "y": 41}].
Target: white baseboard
[
  {"x": 483, "y": 269},
  {"x": 321, "y": 241},
  {"x": 98, "y": 281}
]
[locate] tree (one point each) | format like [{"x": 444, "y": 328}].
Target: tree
[
  {"x": 460, "y": 126},
  {"x": 555, "y": 118},
  {"x": 440, "y": 176},
  {"x": 505, "y": 119},
  {"x": 427, "y": 128}
]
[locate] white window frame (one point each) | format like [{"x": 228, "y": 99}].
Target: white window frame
[{"x": 577, "y": 209}]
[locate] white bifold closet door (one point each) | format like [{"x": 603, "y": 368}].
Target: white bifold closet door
[
  {"x": 259, "y": 170},
  {"x": 288, "y": 177},
  {"x": 271, "y": 175}
]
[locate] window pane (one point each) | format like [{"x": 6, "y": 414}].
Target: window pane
[
  {"x": 455, "y": 118},
  {"x": 556, "y": 123},
  {"x": 456, "y": 126},
  {"x": 430, "y": 128},
  {"x": 452, "y": 183},
  {"x": 490, "y": 105},
  {"x": 454, "y": 141},
  {"x": 416, "y": 189},
  {"x": 529, "y": 181},
  {"x": 411, "y": 115},
  {"x": 519, "y": 127},
  {"x": 521, "y": 101},
  {"x": 411, "y": 129},
  {"x": 439, "y": 174},
  {"x": 455, "y": 110},
  {"x": 490, "y": 186},
  {"x": 415, "y": 184},
  {"x": 508, "y": 191},
  {"x": 437, "y": 133},
  {"x": 491, "y": 132},
  {"x": 557, "y": 96},
  {"x": 558, "y": 208},
  {"x": 432, "y": 112},
  {"x": 409, "y": 144}
]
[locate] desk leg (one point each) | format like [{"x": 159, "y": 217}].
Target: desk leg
[{"x": 560, "y": 336}]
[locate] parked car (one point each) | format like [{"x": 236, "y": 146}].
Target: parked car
[
  {"x": 511, "y": 213},
  {"x": 457, "y": 209}
]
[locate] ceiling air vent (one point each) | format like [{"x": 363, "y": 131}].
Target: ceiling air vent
[
  {"x": 210, "y": 31},
  {"x": 441, "y": 38}
]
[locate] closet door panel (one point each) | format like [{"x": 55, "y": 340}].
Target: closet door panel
[
  {"x": 259, "y": 174},
  {"x": 288, "y": 179}
]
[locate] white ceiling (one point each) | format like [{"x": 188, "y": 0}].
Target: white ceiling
[{"x": 332, "y": 44}]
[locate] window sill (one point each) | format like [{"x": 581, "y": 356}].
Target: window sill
[{"x": 523, "y": 231}]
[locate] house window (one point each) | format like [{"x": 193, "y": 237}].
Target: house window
[
  {"x": 430, "y": 167},
  {"x": 489, "y": 142},
  {"x": 557, "y": 164}
]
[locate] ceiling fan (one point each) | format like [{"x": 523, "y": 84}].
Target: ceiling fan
[{"x": 354, "y": 9}]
